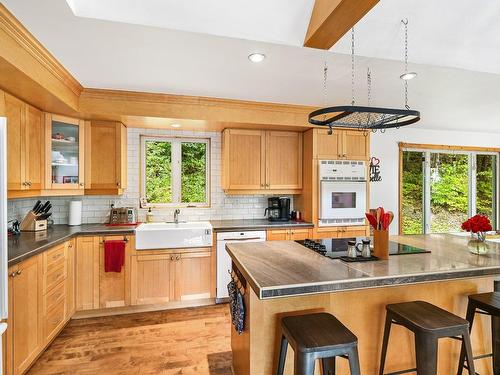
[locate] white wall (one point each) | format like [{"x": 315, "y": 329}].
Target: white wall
[
  {"x": 96, "y": 208},
  {"x": 385, "y": 147}
]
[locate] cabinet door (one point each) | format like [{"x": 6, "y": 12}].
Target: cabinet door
[
  {"x": 70, "y": 279},
  {"x": 65, "y": 153},
  {"x": 355, "y": 231},
  {"x": 106, "y": 155},
  {"x": 326, "y": 233},
  {"x": 26, "y": 314},
  {"x": 328, "y": 146},
  {"x": 87, "y": 273},
  {"x": 278, "y": 235},
  {"x": 355, "y": 145},
  {"x": 152, "y": 279},
  {"x": 114, "y": 287},
  {"x": 193, "y": 275},
  {"x": 283, "y": 160},
  {"x": 243, "y": 159},
  {"x": 34, "y": 152},
  {"x": 15, "y": 112},
  {"x": 299, "y": 234}
]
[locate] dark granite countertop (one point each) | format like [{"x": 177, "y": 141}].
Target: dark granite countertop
[
  {"x": 285, "y": 268},
  {"x": 256, "y": 224},
  {"x": 28, "y": 244}
]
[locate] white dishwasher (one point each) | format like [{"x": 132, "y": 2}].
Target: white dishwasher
[{"x": 224, "y": 261}]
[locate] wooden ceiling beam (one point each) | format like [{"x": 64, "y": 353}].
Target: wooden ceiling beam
[{"x": 331, "y": 19}]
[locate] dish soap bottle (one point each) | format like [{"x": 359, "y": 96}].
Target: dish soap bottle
[{"x": 149, "y": 216}]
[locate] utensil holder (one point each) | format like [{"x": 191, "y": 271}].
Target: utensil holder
[{"x": 381, "y": 244}]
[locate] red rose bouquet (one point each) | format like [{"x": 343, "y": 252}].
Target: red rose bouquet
[{"x": 477, "y": 224}]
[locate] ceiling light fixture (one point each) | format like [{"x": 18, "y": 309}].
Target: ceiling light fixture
[
  {"x": 175, "y": 125},
  {"x": 256, "y": 57},
  {"x": 362, "y": 118}
]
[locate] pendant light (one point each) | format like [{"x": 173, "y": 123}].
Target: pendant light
[{"x": 364, "y": 118}]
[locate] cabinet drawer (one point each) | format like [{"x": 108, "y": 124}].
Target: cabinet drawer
[
  {"x": 300, "y": 234},
  {"x": 54, "y": 321},
  {"x": 54, "y": 277},
  {"x": 53, "y": 258},
  {"x": 54, "y": 297}
]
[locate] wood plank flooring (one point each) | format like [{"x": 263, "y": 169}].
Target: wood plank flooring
[{"x": 184, "y": 341}]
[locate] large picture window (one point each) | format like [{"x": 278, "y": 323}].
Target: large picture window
[
  {"x": 439, "y": 189},
  {"x": 175, "y": 171}
]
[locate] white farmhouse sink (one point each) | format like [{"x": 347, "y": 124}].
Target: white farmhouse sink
[{"x": 173, "y": 236}]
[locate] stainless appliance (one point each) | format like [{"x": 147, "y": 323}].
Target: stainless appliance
[
  {"x": 343, "y": 186},
  {"x": 3, "y": 232},
  {"x": 278, "y": 209},
  {"x": 123, "y": 215},
  {"x": 224, "y": 261},
  {"x": 336, "y": 248}
]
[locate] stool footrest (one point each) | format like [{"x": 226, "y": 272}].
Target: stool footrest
[
  {"x": 401, "y": 372},
  {"x": 482, "y": 356}
]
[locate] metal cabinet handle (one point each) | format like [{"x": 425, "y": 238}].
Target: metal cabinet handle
[
  {"x": 118, "y": 184},
  {"x": 19, "y": 272},
  {"x": 29, "y": 183},
  {"x": 172, "y": 257},
  {"x": 177, "y": 257},
  {"x": 81, "y": 184},
  {"x": 261, "y": 185},
  {"x": 13, "y": 274}
]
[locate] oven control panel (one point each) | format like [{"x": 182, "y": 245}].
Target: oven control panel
[{"x": 342, "y": 170}]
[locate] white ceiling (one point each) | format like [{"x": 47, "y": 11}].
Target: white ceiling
[
  {"x": 118, "y": 55},
  {"x": 275, "y": 21}
]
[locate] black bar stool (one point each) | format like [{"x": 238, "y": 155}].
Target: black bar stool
[
  {"x": 317, "y": 336},
  {"x": 487, "y": 304},
  {"x": 429, "y": 323}
]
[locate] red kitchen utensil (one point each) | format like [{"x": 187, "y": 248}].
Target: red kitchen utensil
[{"x": 372, "y": 220}]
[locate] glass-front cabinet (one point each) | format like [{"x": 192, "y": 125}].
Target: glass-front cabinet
[{"x": 65, "y": 140}]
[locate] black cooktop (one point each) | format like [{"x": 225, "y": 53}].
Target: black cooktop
[{"x": 337, "y": 247}]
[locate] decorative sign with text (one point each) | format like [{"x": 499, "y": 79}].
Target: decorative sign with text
[{"x": 375, "y": 170}]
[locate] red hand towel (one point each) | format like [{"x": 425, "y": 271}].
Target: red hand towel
[{"x": 114, "y": 255}]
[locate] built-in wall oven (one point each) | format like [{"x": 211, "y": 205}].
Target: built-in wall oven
[{"x": 342, "y": 191}]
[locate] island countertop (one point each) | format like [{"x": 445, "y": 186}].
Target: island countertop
[{"x": 285, "y": 268}]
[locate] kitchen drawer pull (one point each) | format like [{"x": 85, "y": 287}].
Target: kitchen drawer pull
[
  {"x": 177, "y": 257},
  {"x": 172, "y": 257},
  {"x": 19, "y": 272},
  {"x": 13, "y": 274}
]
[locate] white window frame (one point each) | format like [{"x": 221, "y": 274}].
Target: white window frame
[
  {"x": 472, "y": 198},
  {"x": 176, "y": 143}
]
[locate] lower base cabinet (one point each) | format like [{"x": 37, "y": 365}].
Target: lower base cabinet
[
  {"x": 341, "y": 232},
  {"x": 168, "y": 276},
  {"x": 41, "y": 301},
  {"x": 289, "y": 234}
]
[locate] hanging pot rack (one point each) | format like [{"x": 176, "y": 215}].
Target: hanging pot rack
[{"x": 365, "y": 118}]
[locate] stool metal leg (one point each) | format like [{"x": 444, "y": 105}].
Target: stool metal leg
[
  {"x": 385, "y": 342},
  {"x": 354, "y": 361},
  {"x": 426, "y": 347},
  {"x": 282, "y": 355},
  {"x": 495, "y": 339},
  {"x": 468, "y": 352},
  {"x": 328, "y": 366},
  {"x": 471, "y": 311},
  {"x": 304, "y": 364}
]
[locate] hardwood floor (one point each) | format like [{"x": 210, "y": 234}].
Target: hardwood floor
[{"x": 184, "y": 341}]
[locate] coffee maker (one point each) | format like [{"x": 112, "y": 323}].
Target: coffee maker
[{"x": 278, "y": 209}]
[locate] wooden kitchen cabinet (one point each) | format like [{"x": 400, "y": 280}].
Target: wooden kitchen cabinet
[
  {"x": 105, "y": 157},
  {"x": 162, "y": 276},
  {"x": 291, "y": 234},
  {"x": 152, "y": 279},
  {"x": 64, "y": 150},
  {"x": 87, "y": 273},
  {"x": 341, "y": 232},
  {"x": 25, "y": 331},
  {"x": 342, "y": 144},
  {"x": 192, "y": 275},
  {"x": 25, "y": 159},
  {"x": 261, "y": 161}
]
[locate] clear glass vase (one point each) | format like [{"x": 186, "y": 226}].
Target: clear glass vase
[{"x": 477, "y": 244}]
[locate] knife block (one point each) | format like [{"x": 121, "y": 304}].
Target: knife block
[
  {"x": 381, "y": 244},
  {"x": 31, "y": 224}
]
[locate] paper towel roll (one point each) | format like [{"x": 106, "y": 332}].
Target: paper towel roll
[{"x": 75, "y": 213}]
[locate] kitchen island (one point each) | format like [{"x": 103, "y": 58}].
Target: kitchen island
[{"x": 282, "y": 278}]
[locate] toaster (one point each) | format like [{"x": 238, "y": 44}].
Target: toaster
[{"x": 123, "y": 215}]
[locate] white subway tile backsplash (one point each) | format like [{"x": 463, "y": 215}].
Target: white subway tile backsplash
[{"x": 95, "y": 209}]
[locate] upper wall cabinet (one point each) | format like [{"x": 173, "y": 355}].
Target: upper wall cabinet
[
  {"x": 25, "y": 139},
  {"x": 105, "y": 157},
  {"x": 342, "y": 144},
  {"x": 64, "y": 140},
  {"x": 261, "y": 162}
]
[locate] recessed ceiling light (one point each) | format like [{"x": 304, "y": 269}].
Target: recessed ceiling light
[
  {"x": 256, "y": 57},
  {"x": 175, "y": 125},
  {"x": 407, "y": 76}
]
